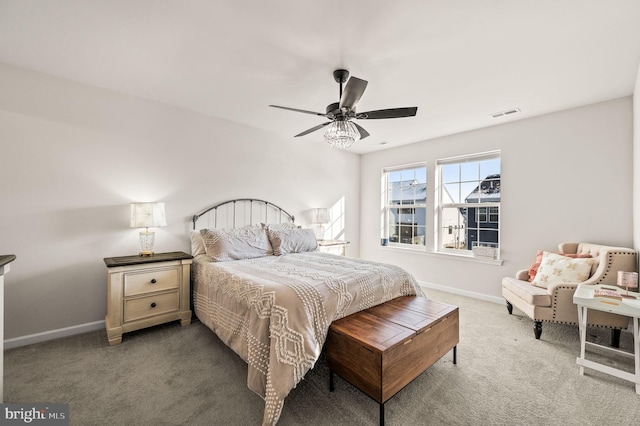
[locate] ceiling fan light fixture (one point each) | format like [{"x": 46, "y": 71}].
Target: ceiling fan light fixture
[{"x": 341, "y": 134}]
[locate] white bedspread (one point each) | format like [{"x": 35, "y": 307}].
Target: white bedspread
[{"x": 275, "y": 311}]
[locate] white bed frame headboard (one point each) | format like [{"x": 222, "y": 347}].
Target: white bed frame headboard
[{"x": 240, "y": 212}]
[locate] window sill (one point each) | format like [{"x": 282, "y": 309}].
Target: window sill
[{"x": 457, "y": 256}]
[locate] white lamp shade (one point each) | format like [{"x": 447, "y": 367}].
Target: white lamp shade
[
  {"x": 320, "y": 215},
  {"x": 147, "y": 215}
]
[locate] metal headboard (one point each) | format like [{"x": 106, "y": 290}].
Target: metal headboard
[{"x": 232, "y": 204}]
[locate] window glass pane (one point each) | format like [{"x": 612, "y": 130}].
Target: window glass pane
[
  {"x": 489, "y": 167},
  {"x": 450, "y": 173},
  {"x": 421, "y": 175},
  {"x": 420, "y": 237},
  {"x": 395, "y": 176},
  {"x": 394, "y": 224},
  {"x": 453, "y": 228},
  {"x": 470, "y": 171},
  {"x": 469, "y": 192},
  {"x": 389, "y": 192},
  {"x": 488, "y": 238},
  {"x": 451, "y": 193},
  {"x": 408, "y": 175},
  {"x": 490, "y": 189}
]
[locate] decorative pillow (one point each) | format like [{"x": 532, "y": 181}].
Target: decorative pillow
[
  {"x": 280, "y": 226},
  {"x": 296, "y": 240},
  {"x": 556, "y": 268},
  {"x": 235, "y": 244},
  {"x": 533, "y": 269},
  {"x": 197, "y": 245}
]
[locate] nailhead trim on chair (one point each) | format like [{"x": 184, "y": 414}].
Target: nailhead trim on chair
[
  {"x": 554, "y": 304},
  {"x": 610, "y": 261}
]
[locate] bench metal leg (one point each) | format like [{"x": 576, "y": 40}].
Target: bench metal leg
[
  {"x": 615, "y": 338},
  {"x": 455, "y": 354},
  {"x": 331, "y": 384},
  {"x": 382, "y": 414}
]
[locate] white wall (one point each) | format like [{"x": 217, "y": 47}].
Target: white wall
[
  {"x": 72, "y": 158},
  {"x": 566, "y": 176}
]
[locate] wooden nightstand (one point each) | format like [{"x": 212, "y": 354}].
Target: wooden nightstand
[
  {"x": 146, "y": 291},
  {"x": 333, "y": 246}
]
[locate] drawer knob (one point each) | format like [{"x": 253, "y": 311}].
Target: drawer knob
[
  {"x": 153, "y": 305},
  {"x": 153, "y": 281}
]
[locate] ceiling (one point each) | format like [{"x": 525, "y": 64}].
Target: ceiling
[{"x": 458, "y": 61}]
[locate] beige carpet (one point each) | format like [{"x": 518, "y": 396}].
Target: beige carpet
[{"x": 172, "y": 375}]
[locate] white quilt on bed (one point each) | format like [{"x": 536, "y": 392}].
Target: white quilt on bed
[{"x": 275, "y": 311}]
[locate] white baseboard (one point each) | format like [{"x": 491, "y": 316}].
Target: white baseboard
[
  {"x": 466, "y": 293},
  {"x": 30, "y": 339}
]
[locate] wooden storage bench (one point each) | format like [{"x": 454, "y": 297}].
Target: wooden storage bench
[{"x": 382, "y": 349}]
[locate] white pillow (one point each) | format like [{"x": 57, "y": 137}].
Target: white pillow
[
  {"x": 295, "y": 240},
  {"x": 280, "y": 226},
  {"x": 556, "y": 268},
  {"x": 235, "y": 244},
  {"x": 197, "y": 244}
]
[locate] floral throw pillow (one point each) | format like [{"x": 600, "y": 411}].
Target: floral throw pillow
[
  {"x": 533, "y": 269},
  {"x": 556, "y": 268}
]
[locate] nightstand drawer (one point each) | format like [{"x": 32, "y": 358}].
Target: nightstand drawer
[
  {"x": 151, "y": 280},
  {"x": 149, "y": 306}
]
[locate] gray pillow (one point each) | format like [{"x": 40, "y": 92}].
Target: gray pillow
[
  {"x": 235, "y": 244},
  {"x": 295, "y": 240}
]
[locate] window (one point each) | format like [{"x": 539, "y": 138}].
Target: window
[
  {"x": 468, "y": 213},
  {"x": 404, "y": 206}
]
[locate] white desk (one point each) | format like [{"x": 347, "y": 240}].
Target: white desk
[{"x": 583, "y": 298}]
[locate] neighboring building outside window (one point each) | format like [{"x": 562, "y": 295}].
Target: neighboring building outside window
[
  {"x": 404, "y": 205},
  {"x": 468, "y": 213}
]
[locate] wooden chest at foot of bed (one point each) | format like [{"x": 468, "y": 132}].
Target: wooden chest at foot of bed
[{"x": 382, "y": 349}]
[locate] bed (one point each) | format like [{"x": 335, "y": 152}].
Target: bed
[{"x": 261, "y": 285}]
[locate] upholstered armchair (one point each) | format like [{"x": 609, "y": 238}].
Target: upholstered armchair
[{"x": 555, "y": 303}]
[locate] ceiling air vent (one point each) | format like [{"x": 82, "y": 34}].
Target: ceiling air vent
[{"x": 504, "y": 113}]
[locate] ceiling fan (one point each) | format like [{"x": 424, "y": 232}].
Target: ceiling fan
[{"x": 342, "y": 132}]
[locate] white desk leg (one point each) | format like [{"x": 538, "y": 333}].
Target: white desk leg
[
  {"x": 636, "y": 350},
  {"x": 582, "y": 325}
]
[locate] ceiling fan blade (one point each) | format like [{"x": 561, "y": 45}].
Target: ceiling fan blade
[
  {"x": 352, "y": 92},
  {"x": 300, "y": 110},
  {"x": 387, "y": 113},
  {"x": 363, "y": 132},
  {"x": 313, "y": 129}
]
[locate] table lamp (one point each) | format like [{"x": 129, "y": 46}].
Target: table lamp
[
  {"x": 628, "y": 280},
  {"x": 320, "y": 216},
  {"x": 147, "y": 215}
]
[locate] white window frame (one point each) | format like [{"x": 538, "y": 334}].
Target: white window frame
[
  {"x": 443, "y": 202},
  {"x": 386, "y": 206}
]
